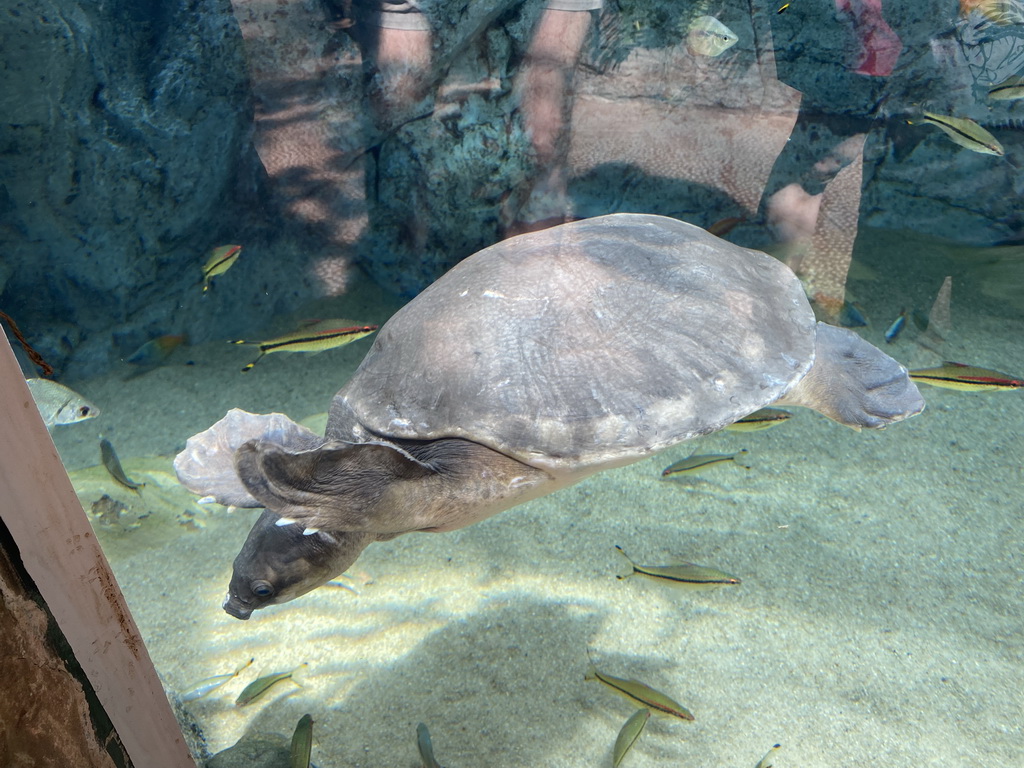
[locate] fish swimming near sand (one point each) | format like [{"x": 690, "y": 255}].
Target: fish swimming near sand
[
  {"x": 707, "y": 36},
  {"x": 114, "y": 468},
  {"x": 323, "y": 335},
  {"x": 628, "y": 734},
  {"x": 302, "y": 743},
  {"x": 220, "y": 260},
  {"x": 60, "y": 405},
  {"x": 966, "y": 378},
  {"x": 260, "y": 686},
  {"x": 211, "y": 684},
  {"x": 769, "y": 757},
  {"x": 640, "y": 694},
  {"x": 894, "y": 330},
  {"x": 686, "y": 575},
  {"x": 425, "y": 747},
  {"x": 693, "y": 464}
]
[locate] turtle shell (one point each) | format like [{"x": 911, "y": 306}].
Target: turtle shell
[{"x": 587, "y": 345}]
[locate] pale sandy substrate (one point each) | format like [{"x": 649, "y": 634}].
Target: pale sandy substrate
[{"x": 878, "y": 622}]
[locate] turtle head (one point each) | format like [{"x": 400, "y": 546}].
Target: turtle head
[{"x": 281, "y": 562}]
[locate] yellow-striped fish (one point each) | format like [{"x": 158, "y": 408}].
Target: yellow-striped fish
[
  {"x": 693, "y": 464},
  {"x": 967, "y": 378},
  {"x": 640, "y": 694},
  {"x": 765, "y": 418},
  {"x": 686, "y": 575},
  {"x": 302, "y": 743},
  {"x": 1010, "y": 89},
  {"x": 220, "y": 260},
  {"x": 965, "y": 132},
  {"x": 326, "y": 334},
  {"x": 261, "y": 685},
  {"x": 769, "y": 757},
  {"x": 628, "y": 734}
]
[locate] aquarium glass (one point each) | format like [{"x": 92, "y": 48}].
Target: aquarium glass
[{"x": 210, "y": 205}]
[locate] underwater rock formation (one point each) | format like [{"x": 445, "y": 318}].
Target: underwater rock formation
[{"x": 124, "y": 149}]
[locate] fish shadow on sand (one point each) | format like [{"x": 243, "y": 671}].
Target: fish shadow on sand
[{"x": 481, "y": 683}]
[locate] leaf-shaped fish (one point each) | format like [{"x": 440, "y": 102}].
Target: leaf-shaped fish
[
  {"x": 707, "y": 36},
  {"x": 966, "y": 133}
]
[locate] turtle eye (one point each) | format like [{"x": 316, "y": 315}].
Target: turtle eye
[{"x": 261, "y": 588}]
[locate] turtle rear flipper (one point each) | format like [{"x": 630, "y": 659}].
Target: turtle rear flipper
[
  {"x": 207, "y": 465},
  {"x": 854, "y": 383}
]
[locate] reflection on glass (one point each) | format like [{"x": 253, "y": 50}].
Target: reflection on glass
[{"x": 174, "y": 178}]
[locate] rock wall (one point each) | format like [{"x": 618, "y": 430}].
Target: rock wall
[{"x": 125, "y": 155}]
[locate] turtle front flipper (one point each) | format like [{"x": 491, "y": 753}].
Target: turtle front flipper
[
  {"x": 334, "y": 487},
  {"x": 207, "y": 465},
  {"x": 854, "y": 382}
]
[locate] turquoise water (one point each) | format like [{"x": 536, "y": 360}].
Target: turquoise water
[{"x": 878, "y": 619}]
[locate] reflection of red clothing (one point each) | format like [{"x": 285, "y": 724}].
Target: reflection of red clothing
[{"x": 879, "y": 46}]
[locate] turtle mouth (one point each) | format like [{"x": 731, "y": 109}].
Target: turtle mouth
[{"x": 237, "y": 608}]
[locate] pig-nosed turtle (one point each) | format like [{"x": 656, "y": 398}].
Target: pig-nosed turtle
[{"x": 530, "y": 365}]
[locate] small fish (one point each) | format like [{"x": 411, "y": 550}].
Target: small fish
[
  {"x": 723, "y": 227},
  {"x": 693, "y": 464},
  {"x": 967, "y": 378},
  {"x": 59, "y": 405},
  {"x": 261, "y": 685},
  {"x": 221, "y": 259},
  {"x": 965, "y": 132},
  {"x": 765, "y": 418},
  {"x": 426, "y": 748},
  {"x": 783, "y": 8},
  {"x": 629, "y": 733},
  {"x": 851, "y": 315},
  {"x": 686, "y": 575},
  {"x": 1004, "y": 12},
  {"x": 707, "y": 36},
  {"x": 896, "y": 328},
  {"x": 640, "y": 694},
  {"x": 113, "y": 464},
  {"x": 302, "y": 743},
  {"x": 1010, "y": 89},
  {"x": 769, "y": 758},
  {"x": 155, "y": 351},
  {"x": 211, "y": 684},
  {"x": 326, "y": 334}
]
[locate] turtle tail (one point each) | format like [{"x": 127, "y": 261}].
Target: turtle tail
[{"x": 207, "y": 465}]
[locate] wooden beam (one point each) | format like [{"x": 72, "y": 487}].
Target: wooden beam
[{"x": 61, "y": 554}]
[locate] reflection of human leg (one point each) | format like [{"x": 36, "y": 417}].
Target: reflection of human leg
[
  {"x": 545, "y": 83},
  {"x": 401, "y": 63},
  {"x": 812, "y": 202}
]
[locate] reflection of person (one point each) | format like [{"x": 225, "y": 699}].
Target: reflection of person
[
  {"x": 841, "y": 96},
  {"x": 402, "y": 77},
  {"x": 545, "y": 83}
]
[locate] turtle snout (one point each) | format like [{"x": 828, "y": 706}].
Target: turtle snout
[{"x": 237, "y": 607}]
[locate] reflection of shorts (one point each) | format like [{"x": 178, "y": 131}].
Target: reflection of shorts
[{"x": 410, "y": 14}]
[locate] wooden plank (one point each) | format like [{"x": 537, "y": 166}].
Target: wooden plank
[{"x": 61, "y": 554}]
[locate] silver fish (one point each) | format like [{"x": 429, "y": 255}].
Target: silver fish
[
  {"x": 58, "y": 404},
  {"x": 707, "y": 36}
]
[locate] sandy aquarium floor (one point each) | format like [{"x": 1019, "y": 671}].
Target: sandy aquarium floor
[{"x": 878, "y": 621}]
